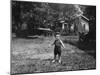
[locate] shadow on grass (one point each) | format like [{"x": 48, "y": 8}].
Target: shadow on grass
[
  {"x": 33, "y": 37},
  {"x": 88, "y": 47},
  {"x": 28, "y": 37}
]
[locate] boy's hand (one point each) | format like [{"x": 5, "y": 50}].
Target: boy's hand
[
  {"x": 49, "y": 45},
  {"x": 64, "y": 47}
]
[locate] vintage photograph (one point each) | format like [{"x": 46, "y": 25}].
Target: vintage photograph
[{"x": 52, "y": 37}]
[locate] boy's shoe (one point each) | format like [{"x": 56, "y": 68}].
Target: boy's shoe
[
  {"x": 53, "y": 61},
  {"x": 59, "y": 61}
]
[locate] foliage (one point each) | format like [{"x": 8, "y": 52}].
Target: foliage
[
  {"x": 44, "y": 12},
  {"x": 36, "y": 14}
]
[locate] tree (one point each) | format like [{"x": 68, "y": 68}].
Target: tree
[
  {"x": 39, "y": 14},
  {"x": 91, "y": 14}
]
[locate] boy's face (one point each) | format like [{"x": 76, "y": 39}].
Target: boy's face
[{"x": 57, "y": 37}]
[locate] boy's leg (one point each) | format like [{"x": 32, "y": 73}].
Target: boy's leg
[
  {"x": 59, "y": 56},
  {"x": 55, "y": 53},
  {"x": 54, "y": 58}
]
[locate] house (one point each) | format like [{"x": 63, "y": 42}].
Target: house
[
  {"x": 78, "y": 25},
  {"x": 83, "y": 27},
  {"x": 64, "y": 24}
]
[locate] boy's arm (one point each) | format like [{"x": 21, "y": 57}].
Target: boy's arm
[
  {"x": 62, "y": 44},
  {"x": 52, "y": 43}
]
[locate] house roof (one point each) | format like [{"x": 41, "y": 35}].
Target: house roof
[
  {"x": 46, "y": 29},
  {"x": 84, "y": 17}
]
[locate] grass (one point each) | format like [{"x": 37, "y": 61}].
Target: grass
[{"x": 34, "y": 56}]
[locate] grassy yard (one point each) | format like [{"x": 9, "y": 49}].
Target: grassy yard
[{"x": 32, "y": 55}]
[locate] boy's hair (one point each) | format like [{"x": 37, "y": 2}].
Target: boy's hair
[{"x": 57, "y": 34}]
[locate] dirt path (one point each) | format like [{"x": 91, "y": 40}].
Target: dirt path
[{"x": 34, "y": 55}]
